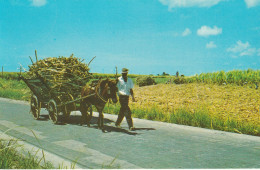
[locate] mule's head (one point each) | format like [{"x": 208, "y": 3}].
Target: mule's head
[{"x": 112, "y": 90}]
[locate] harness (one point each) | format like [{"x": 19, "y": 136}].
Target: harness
[
  {"x": 96, "y": 88},
  {"x": 98, "y": 91}
]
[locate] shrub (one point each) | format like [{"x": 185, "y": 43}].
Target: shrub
[
  {"x": 145, "y": 81},
  {"x": 179, "y": 80}
]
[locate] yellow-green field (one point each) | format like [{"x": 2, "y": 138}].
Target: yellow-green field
[{"x": 239, "y": 103}]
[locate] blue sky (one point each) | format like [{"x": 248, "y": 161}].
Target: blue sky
[{"x": 146, "y": 36}]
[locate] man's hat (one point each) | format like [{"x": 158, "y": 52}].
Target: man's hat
[{"x": 124, "y": 70}]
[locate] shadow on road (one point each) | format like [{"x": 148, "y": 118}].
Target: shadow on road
[
  {"x": 109, "y": 129},
  {"x": 116, "y": 129},
  {"x": 76, "y": 120},
  {"x": 144, "y": 129}
]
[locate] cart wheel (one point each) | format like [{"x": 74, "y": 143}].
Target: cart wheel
[
  {"x": 53, "y": 111},
  {"x": 35, "y": 107}
]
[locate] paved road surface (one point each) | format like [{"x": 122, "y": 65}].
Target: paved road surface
[{"x": 152, "y": 145}]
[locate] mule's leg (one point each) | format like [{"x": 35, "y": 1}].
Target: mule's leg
[
  {"x": 87, "y": 117},
  {"x": 101, "y": 123},
  {"x": 101, "y": 116},
  {"x": 98, "y": 122},
  {"x": 84, "y": 113},
  {"x": 101, "y": 120},
  {"x": 89, "y": 113}
]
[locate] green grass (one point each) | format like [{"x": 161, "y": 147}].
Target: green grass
[
  {"x": 239, "y": 77},
  {"x": 201, "y": 118},
  {"x": 9, "y": 75},
  {"x": 14, "y": 89},
  {"x": 11, "y": 159}
]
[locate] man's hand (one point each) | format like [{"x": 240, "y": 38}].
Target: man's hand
[
  {"x": 132, "y": 94},
  {"x": 133, "y": 99}
]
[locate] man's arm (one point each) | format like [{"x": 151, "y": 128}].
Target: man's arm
[{"x": 132, "y": 94}]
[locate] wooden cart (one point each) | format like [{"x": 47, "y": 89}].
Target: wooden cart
[{"x": 59, "y": 102}]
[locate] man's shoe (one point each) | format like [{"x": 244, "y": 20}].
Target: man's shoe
[
  {"x": 132, "y": 128},
  {"x": 111, "y": 124},
  {"x": 118, "y": 126}
]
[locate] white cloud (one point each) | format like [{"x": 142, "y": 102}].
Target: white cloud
[
  {"x": 38, "y": 3},
  {"x": 243, "y": 49},
  {"x": 206, "y": 31},
  {"x": 239, "y": 47},
  {"x": 258, "y": 52},
  {"x": 252, "y": 3},
  {"x": 248, "y": 52},
  {"x": 211, "y": 44},
  {"x": 189, "y": 3},
  {"x": 186, "y": 32},
  {"x": 233, "y": 56}
]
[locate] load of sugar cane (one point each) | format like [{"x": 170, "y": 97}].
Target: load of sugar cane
[{"x": 61, "y": 74}]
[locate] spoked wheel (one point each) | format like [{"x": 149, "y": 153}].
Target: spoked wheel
[
  {"x": 53, "y": 111},
  {"x": 35, "y": 107}
]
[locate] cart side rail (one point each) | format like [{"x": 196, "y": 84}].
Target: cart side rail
[{"x": 38, "y": 88}]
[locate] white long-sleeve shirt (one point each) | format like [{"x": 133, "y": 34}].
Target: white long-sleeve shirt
[{"x": 124, "y": 87}]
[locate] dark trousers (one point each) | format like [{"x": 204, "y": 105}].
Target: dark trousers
[{"x": 124, "y": 111}]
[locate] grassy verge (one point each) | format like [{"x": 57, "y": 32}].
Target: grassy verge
[
  {"x": 14, "y": 89},
  {"x": 11, "y": 159},
  {"x": 13, "y": 156},
  {"x": 200, "y": 118}
]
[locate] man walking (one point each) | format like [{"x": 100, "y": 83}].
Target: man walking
[{"x": 125, "y": 89}]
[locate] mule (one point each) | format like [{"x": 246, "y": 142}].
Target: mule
[{"x": 99, "y": 94}]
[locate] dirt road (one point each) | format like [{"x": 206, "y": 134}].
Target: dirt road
[{"x": 152, "y": 145}]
